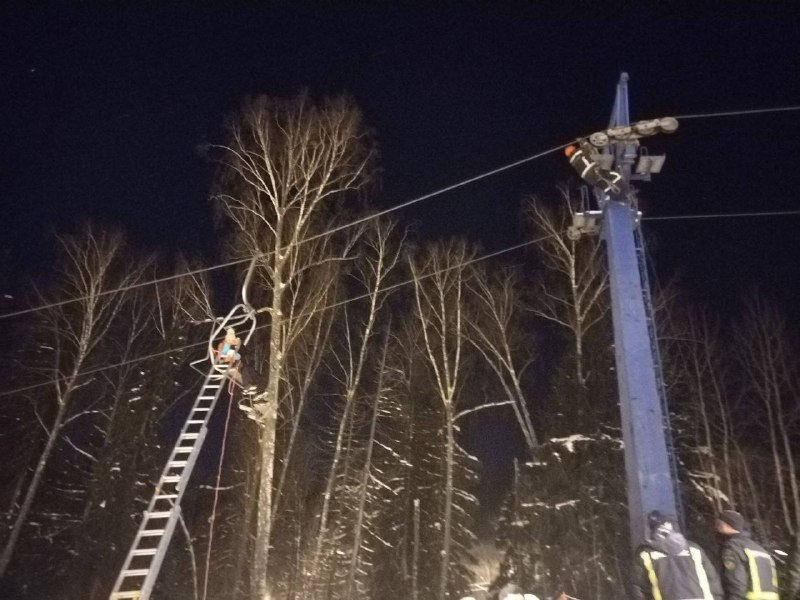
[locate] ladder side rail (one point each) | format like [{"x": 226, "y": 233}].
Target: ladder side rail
[
  {"x": 154, "y": 568},
  {"x": 161, "y": 551},
  {"x": 208, "y": 401},
  {"x": 172, "y": 520},
  {"x": 659, "y": 367}
]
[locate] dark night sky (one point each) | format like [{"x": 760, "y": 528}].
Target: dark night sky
[{"x": 102, "y": 110}]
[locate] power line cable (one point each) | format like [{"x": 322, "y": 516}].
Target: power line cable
[
  {"x": 386, "y": 289},
  {"x": 722, "y": 215},
  {"x": 205, "y": 342},
  {"x": 736, "y": 113},
  {"x": 387, "y": 211},
  {"x": 306, "y": 240},
  {"x": 125, "y": 288}
]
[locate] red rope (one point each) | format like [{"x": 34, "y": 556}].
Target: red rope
[{"x": 216, "y": 495}]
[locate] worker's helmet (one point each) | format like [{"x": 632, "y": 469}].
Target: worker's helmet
[
  {"x": 230, "y": 332},
  {"x": 570, "y": 150}
]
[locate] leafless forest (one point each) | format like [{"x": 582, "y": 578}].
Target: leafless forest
[{"x": 349, "y": 474}]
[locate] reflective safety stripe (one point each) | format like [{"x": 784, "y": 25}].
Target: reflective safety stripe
[
  {"x": 774, "y": 574},
  {"x": 588, "y": 168},
  {"x": 756, "y": 593},
  {"x": 702, "y": 576},
  {"x": 651, "y": 574}
]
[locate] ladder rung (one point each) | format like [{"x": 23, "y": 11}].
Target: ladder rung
[
  {"x": 135, "y": 572},
  {"x": 203, "y": 408},
  {"x": 183, "y": 449},
  {"x": 144, "y": 551},
  {"x": 178, "y": 463},
  {"x": 205, "y": 397},
  {"x": 189, "y": 436},
  {"x": 151, "y": 532},
  {"x": 132, "y": 595},
  {"x": 166, "y": 496},
  {"x": 196, "y": 421},
  {"x": 171, "y": 478},
  {"x": 159, "y": 514}
]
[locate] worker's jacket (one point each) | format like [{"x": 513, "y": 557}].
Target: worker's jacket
[
  {"x": 672, "y": 568},
  {"x": 581, "y": 160},
  {"x": 748, "y": 571}
]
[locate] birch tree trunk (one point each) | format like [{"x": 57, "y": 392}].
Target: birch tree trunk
[
  {"x": 773, "y": 370},
  {"x": 382, "y": 256},
  {"x": 355, "y": 552},
  {"x": 285, "y": 164},
  {"x": 574, "y": 293},
  {"x": 439, "y": 282},
  {"x": 91, "y": 271},
  {"x": 495, "y": 333}
]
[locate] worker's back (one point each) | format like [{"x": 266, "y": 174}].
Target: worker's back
[{"x": 669, "y": 567}]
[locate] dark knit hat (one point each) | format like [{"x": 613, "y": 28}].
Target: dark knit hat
[
  {"x": 657, "y": 519},
  {"x": 734, "y": 519}
]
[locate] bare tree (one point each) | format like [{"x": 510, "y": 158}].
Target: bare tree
[
  {"x": 93, "y": 267},
  {"x": 736, "y": 410},
  {"x": 284, "y": 165},
  {"x": 572, "y": 294},
  {"x": 154, "y": 319},
  {"x": 496, "y": 334},
  {"x": 699, "y": 379},
  {"x": 367, "y": 475},
  {"x": 772, "y": 367},
  {"x": 379, "y": 260},
  {"x": 439, "y": 277}
]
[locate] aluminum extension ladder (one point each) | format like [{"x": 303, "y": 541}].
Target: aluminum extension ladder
[{"x": 143, "y": 562}]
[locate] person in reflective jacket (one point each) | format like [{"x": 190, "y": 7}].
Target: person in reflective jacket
[
  {"x": 669, "y": 567},
  {"x": 748, "y": 571},
  {"x": 580, "y": 157}
]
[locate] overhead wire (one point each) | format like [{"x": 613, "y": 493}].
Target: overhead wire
[
  {"x": 363, "y": 296},
  {"x": 337, "y": 229},
  {"x": 776, "y": 213},
  {"x": 736, "y": 113},
  {"x": 205, "y": 342},
  {"x": 379, "y": 214}
]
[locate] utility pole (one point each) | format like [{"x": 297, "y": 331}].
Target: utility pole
[
  {"x": 649, "y": 471},
  {"x": 649, "y": 462}
]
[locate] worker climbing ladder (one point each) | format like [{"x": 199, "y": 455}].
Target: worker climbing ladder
[{"x": 143, "y": 561}]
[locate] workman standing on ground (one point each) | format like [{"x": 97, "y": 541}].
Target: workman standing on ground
[
  {"x": 748, "y": 571},
  {"x": 668, "y": 567}
]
